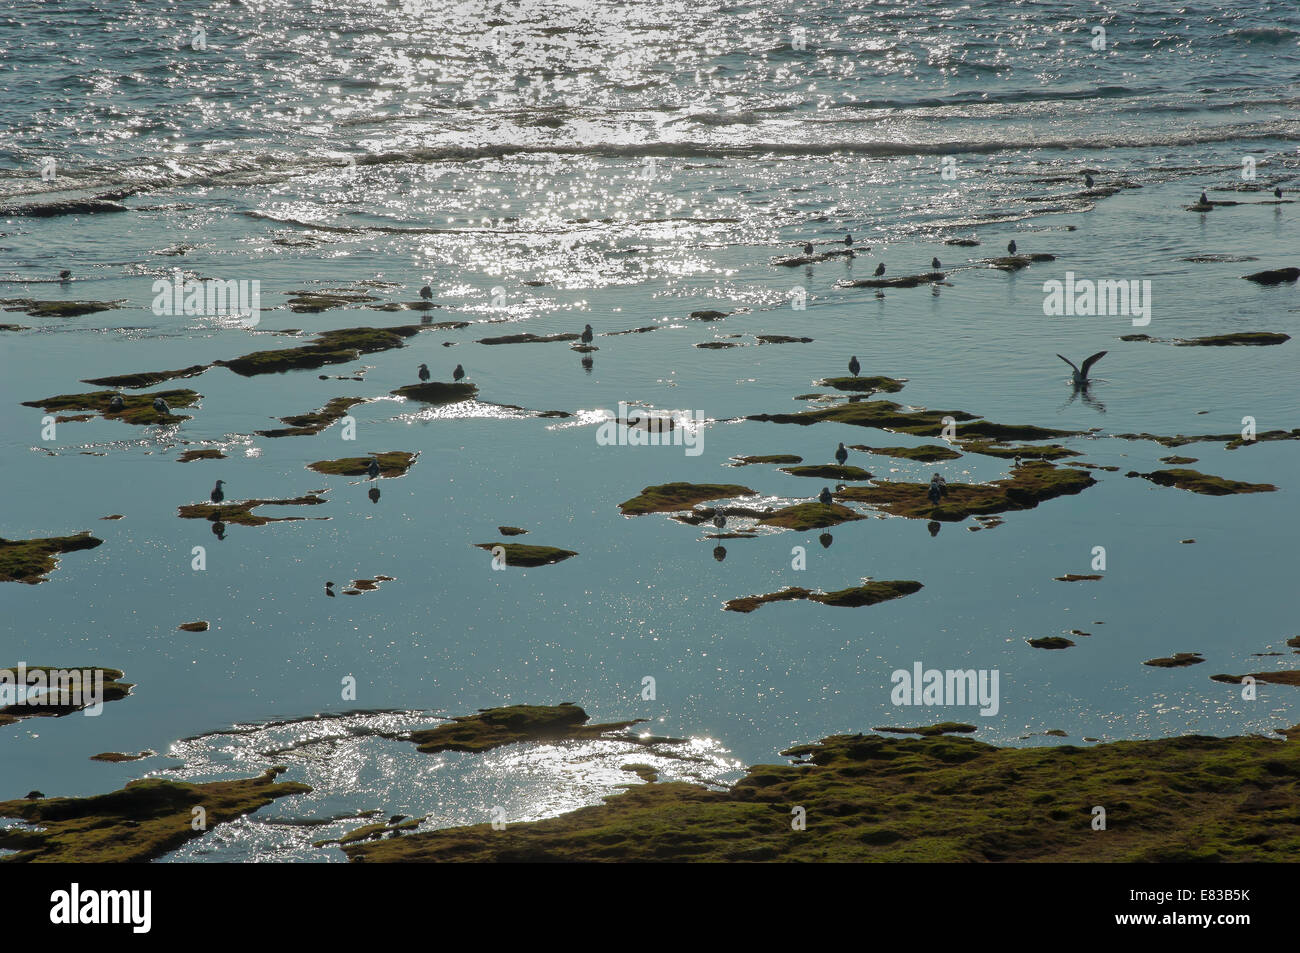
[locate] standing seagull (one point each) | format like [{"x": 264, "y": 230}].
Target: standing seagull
[
  {"x": 848, "y": 240},
  {"x": 825, "y": 495},
  {"x": 458, "y": 373},
  {"x": 424, "y": 372},
  {"x": 934, "y": 263},
  {"x": 1205, "y": 199},
  {"x": 64, "y": 275},
  {"x": 938, "y": 489},
  {"x": 217, "y": 495},
  {"x": 372, "y": 468},
  {"x": 841, "y": 455},
  {"x": 719, "y": 519},
  {"x": 426, "y": 293},
  {"x": 587, "y": 335},
  {"x": 1080, "y": 376},
  {"x": 880, "y": 269},
  {"x": 160, "y": 405},
  {"x": 1011, "y": 246},
  {"x": 807, "y": 248},
  {"x": 1087, "y": 180},
  {"x": 854, "y": 366},
  {"x": 1277, "y": 193},
  {"x": 116, "y": 403}
]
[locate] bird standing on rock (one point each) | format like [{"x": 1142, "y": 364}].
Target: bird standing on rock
[
  {"x": 587, "y": 335},
  {"x": 938, "y": 489},
  {"x": 880, "y": 269},
  {"x": 426, "y": 293},
  {"x": 1087, "y": 180},
  {"x": 1277, "y": 193},
  {"x": 424, "y": 372},
  {"x": 719, "y": 519},
  {"x": 458, "y": 373},
  {"x": 841, "y": 455},
  {"x": 160, "y": 405},
  {"x": 825, "y": 495},
  {"x": 217, "y": 494},
  {"x": 934, "y": 263},
  {"x": 848, "y": 240},
  {"x": 372, "y": 468},
  {"x": 807, "y": 248},
  {"x": 854, "y": 366},
  {"x": 116, "y": 403},
  {"x": 1205, "y": 199}
]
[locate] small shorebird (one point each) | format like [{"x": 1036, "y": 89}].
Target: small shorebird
[
  {"x": 458, "y": 373},
  {"x": 1087, "y": 180},
  {"x": 934, "y": 263},
  {"x": 160, "y": 405},
  {"x": 1011, "y": 246},
  {"x": 841, "y": 455},
  {"x": 217, "y": 496},
  {"x": 424, "y": 372},
  {"x": 372, "y": 468},
  {"x": 807, "y": 248},
  {"x": 825, "y": 495},
  {"x": 426, "y": 293},
  {"x": 854, "y": 366},
  {"x": 1080, "y": 376},
  {"x": 880, "y": 269},
  {"x": 587, "y": 335}
]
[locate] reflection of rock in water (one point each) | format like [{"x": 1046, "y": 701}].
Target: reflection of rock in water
[
  {"x": 374, "y": 494},
  {"x": 719, "y": 553},
  {"x": 933, "y": 527},
  {"x": 218, "y": 529},
  {"x": 826, "y": 539}
]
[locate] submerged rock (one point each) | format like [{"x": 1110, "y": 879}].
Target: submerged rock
[
  {"x": 530, "y": 338},
  {"x": 301, "y": 425},
  {"x": 1236, "y": 339},
  {"x": 313, "y": 302},
  {"x": 670, "y": 497},
  {"x": 496, "y": 727},
  {"x": 140, "y": 822},
  {"x": 32, "y": 560},
  {"x": 904, "y": 281},
  {"x": 519, "y": 554},
  {"x": 1203, "y": 483},
  {"x": 1177, "y": 660},
  {"x": 781, "y": 339},
  {"x": 1051, "y": 451},
  {"x": 57, "y": 309},
  {"x": 146, "y": 378},
  {"x": 189, "y": 456},
  {"x": 867, "y": 594},
  {"x": 1077, "y": 577}
]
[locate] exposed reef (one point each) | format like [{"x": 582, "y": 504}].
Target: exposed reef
[
  {"x": 329, "y": 347},
  {"x": 136, "y": 408},
  {"x": 886, "y": 415},
  {"x": 802, "y": 516},
  {"x": 146, "y": 378},
  {"x": 670, "y": 497},
  {"x": 495, "y": 727},
  {"x": 55, "y": 691},
  {"x": 32, "y": 560},
  {"x": 241, "y": 511},
  {"x": 926, "y": 453},
  {"x": 519, "y": 554},
  {"x": 392, "y": 463},
  {"x": 438, "y": 392},
  {"x": 867, "y": 594},
  {"x": 829, "y": 471},
  {"x": 301, "y": 425},
  {"x": 1204, "y": 483}
]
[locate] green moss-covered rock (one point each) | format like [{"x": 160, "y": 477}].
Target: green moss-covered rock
[
  {"x": 864, "y": 385},
  {"x": 803, "y": 516},
  {"x": 329, "y": 347},
  {"x": 61, "y": 690},
  {"x": 438, "y": 392},
  {"x": 392, "y": 463},
  {"x": 301, "y": 425},
  {"x": 937, "y": 799},
  {"x": 32, "y": 560},
  {"x": 146, "y": 378},
  {"x": 1029, "y": 484},
  {"x": 867, "y": 594},
  {"x": 313, "y": 302},
  {"x": 518, "y": 554},
  {"x": 136, "y": 408},
  {"x": 886, "y": 415},
  {"x": 1051, "y": 451},
  {"x": 57, "y": 309},
  {"x": 142, "y": 821},
  {"x": 529, "y": 338},
  {"x": 1204, "y": 483},
  {"x": 829, "y": 471},
  {"x": 669, "y": 497},
  {"x": 926, "y": 453},
  {"x": 1177, "y": 660},
  {"x": 495, "y": 727},
  {"x": 769, "y": 458},
  {"x": 241, "y": 511}
]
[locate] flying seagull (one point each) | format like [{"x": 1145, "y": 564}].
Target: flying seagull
[
  {"x": 458, "y": 373},
  {"x": 854, "y": 366},
  {"x": 424, "y": 372},
  {"x": 426, "y": 293},
  {"x": 1080, "y": 377},
  {"x": 841, "y": 455},
  {"x": 1011, "y": 246},
  {"x": 825, "y": 495},
  {"x": 880, "y": 269},
  {"x": 587, "y": 335}
]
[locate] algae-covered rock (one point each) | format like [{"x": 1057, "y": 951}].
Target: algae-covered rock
[
  {"x": 241, "y": 511},
  {"x": 438, "y": 392},
  {"x": 1029, "y": 484},
  {"x": 867, "y": 594},
  {"x": 189, "y": 456},
  {"x": 1283, "y": 677},
  {"x": 926, "y": 453},
  {"x": 32, "y": 560},
  {"x": 829, "y": 471},
  {"x": 511, "y": 531},
  {"x": 54, "y": 691},
  {"x": 313, "y": 302},
  {"x": 142, "y": 821},
  {"x": 529, "y": 338},
  {"x": 1177, "y": 461},
  {"x": 935, "y": 799},
  {"x": 392, "y": 463},
  {"x": 146, "y": 378},
  {"x": 932, "y": 731},
  {"x": 669, "y": 497},
  {"x": 117, "y": 757},
  {"x": 864, "y": 385},
  {"x": 886, "y": 415},
  {"x": 199, "y": 626},
  {"x": 495, "y": 727},
  {"x": 1051, "y": 451},
  {"x": 57, "y": 309},
  {"x": 769, "y": 458},
  {"x": 301, "y": 425},
  {"x": 136, "y": 408},
  {"x": 1204, "y": 483},
  {"x": 804, "y": 516},
  {"x": 1177, "y": 660},
  {"x": 1051, "y": 642},
  {"x": 518, "y": 554},
  {"x": 904, "y": 281},
  {"x": 329, "y": 347}
]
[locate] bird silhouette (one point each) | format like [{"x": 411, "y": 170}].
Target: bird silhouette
[
  {"x": 217, "y": 494},
  {"x": 64, "y": 275},
  {"x": 719, "y": 519},
  {"x": 372, "y": 468},
  {"x": 841, "y": 455},
  {"x": 1080, "y": 376},
  {"x": 934, "y": 263},
  {"x": 587, "y": 335},
  {"x": 880, "y": 269},
  {"x": 1277, "y": 193},
  {"x": 848, "y": 240},
  {"x": 1087, "y": 180},
  {"x": 116, "y": 403},
  {"x": 854, "y": 366},
  {"x": 426, "y": 293},
  {"x": 1011, "y": 246},
  {"x": 825, "y": 495},
  {"x": 424, "y": 372},
  {"x": 1205, "y": 200},
  {"x": 160, "y": 405},
  {"x": 458, "y": 373},
  {"x": 807, "y": 248}
]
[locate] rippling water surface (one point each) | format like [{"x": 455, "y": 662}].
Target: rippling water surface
[{"x": 546, "y": 165}]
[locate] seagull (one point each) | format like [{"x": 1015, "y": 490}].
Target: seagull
[
  {"x": 160, "y": 405},
  {"x": 938, "y": 489},
  {"x": 1080, "y": 377},
  {"x": 807, "y": 248},
  {"x": 934, "y": 263},
  {"x": 825, "y": 495},
  {"x": 424, "y": 372},
  {"x": 116, "y": 403},
  {"x": 1277, "y": 193},
  {"x": 426, "y": 293},
  {"x": 217, "y": 495},
  {"x": 841, "y": 455},
  {"x": 848, "y": 240},
  {"x": 458, "y": 373},
  {"x": 1087, "y": 180},
  {"x": 587, "y": 335},
  {"x": 64, "y": 275},
  {"x": 854, "y": 366},
  {"x": 1011, "y": 246},
  {"x": 372, "y": 468},
  {"x": 719, "y": 519},
  {"x": 1204, "y": 199},
  {"x": 880, "y": 269}
]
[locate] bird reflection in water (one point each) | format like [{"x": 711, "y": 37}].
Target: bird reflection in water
[
  {"x": 719, "y": 553},
  {"x": 218, "y": 529},
  {"x": 933, "y": 527},
  {"x": 374, "y": 494},
  {"x": 826, "y": 539}
]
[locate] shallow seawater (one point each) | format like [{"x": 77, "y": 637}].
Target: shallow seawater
[{"x": 545, "y": 166}]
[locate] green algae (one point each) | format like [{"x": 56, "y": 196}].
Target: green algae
[
  {"x": 1051, "y": 451},
  {"x": 1177, "y": 660},
  {"x": 241, "y": 511},
  {"x": 301, "y": 425},
  {"x": 1029, "y": 484},
  {"x": 32, "y": 560},
  {"x": 57, "y": 309},
  {"x": 140, "y": 822},
  {"x": 829, "y": 471},
  {"x": 59, "y": 696},
  {"x": 1284, "y": 677},
  {"x": 1203, "y": 483},
  {"x": 495, "y": 727},
  {"x": 136, "y": 408},
  {"x": 669, "y": 497},
  {"x": 329, "y": 347},
  {"x": 926, "y": 453},
  {"x": 867, "y": 385},
  {"x": 769, "y": 458},
  {"x": 937, "y": 799},
  {"x": 438, "y": 392},
  {"x": 867, "y": 594},
  {"x": 189, "y": 456},
  {"x": 932, "y": 731},
  {"x": 804, "y": 516},
  {"x": 518, "y": 554},
  {"x": 529, "y": 338},
  {"x": 392, "y": 463},
  {"x": 511, "y": 531},
  {"x": 886, "y": 415},
  {"x": 313, "y": 302},
  {"x": 1076, "y": 577},
  {"x": 146, "y": 378}
]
